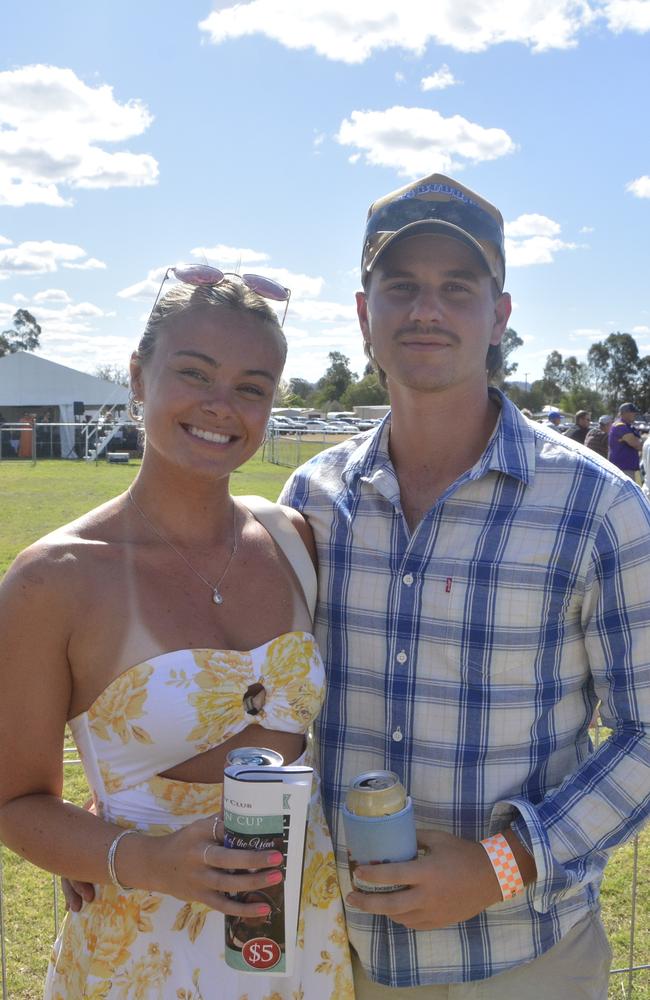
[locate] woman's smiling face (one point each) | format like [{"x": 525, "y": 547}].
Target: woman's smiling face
[{"x": 208, "y": 388}]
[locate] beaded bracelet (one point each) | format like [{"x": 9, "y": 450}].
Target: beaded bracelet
[
  {"x": 505, "y": 866},
  {"x": 112, "y": 874}
]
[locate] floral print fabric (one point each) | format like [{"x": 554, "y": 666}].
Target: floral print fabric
[{"x": 142, "y": 945}]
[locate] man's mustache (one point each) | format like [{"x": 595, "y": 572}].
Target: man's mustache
[{"x": 435, "y": 332}]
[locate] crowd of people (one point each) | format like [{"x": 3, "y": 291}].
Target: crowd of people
[
  {"x": 478, "y": 596},
  {"x": 615, "y": 438}
]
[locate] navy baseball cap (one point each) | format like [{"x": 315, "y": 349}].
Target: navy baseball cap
[
  {"x": 628, "y": 408},
  {"x": 436, "y": 205}
]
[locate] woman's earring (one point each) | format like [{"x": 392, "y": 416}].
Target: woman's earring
[{"x": 135, "y": 408}]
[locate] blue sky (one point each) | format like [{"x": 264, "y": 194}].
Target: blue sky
[{"x": 135, "y": 135}]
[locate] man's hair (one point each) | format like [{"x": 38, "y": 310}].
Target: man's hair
[{"x": 185, "y": 298}]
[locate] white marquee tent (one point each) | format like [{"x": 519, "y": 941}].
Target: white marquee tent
[{"x": 29, "y": 383}]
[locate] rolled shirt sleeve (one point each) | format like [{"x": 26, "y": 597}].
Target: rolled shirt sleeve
[{"x": 606, "y": 800}]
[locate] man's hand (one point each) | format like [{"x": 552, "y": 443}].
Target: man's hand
[{"x": 453, "y": 881}]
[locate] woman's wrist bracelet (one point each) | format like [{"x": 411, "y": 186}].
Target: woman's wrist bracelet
[
  {"x": 112, "y": 874},
  {"x": 505, "y": 865}
]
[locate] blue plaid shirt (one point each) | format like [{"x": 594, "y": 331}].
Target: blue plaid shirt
[{"x": 469, "y": 655}]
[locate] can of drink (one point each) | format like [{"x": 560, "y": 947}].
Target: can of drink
[
  {"x": 379, "y": 825},
  {"x": 254, "y": 757}
]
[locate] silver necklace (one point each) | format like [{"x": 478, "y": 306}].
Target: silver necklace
[{"x": 217, "y": 597}]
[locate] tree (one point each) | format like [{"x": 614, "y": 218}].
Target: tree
[
  {"x": 25, "y": 335},
  {"x": 301, "y": 387},
  {"x": 643, "y": 384},
  {"x": 335, "y": 381},
  {"x": 614, "y": 364},
  {"x": 509, "y": 343},
  {"x": 368, "y": 392},
  {"x": 551, "y": 381},
  {"x": 113, "y": 373}
]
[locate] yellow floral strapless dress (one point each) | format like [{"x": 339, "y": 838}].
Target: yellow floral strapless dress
[{"x": 141, "y": 945}]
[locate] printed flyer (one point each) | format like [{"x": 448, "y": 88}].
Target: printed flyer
[{"x": 266, "y": 808}]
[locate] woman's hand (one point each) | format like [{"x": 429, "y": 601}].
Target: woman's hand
[
  {"x": 196, "y": 867},
  {"x": 193, "y": 865},
  {"x": 76, "y": 893}
]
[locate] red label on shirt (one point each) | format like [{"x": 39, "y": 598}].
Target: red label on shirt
[{"x": 448, "y": 585}]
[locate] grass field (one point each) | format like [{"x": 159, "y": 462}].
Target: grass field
[{"x": 35, "y": 500}]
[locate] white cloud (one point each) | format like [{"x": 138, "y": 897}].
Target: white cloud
[
  {"x": 71, "y": 330},
  {"x": 641, "y": 329},
  {"x": 419, "y": 141},
  {"x": 533, "y": 239},
  {"x": 145, "y": 289},
  {"x": 399, "y": 77},
  {"x": 51, "y": 124},
  {"x": 85, "y": 351},
  {"x": 439, "y": 80},
  {"x": 309, "y": 349},
  {"x": 92, "y": 264},
  {"x": 640, "y": 188},
  {"x": 52, "y": 295},
  {"x": 4, "y": 242},
  {"x": 43, "y": 257},
  {"x": 588, "y": 333},
  {"x": 350, "y": 33},
  {"x": 532, "y": 225},
  {"x": 585, "y": 230},
  {"x": 301, "y": 285},
  {"x": 534, "y": 250},
  {"x": 226, "y": 256},
  {"x": 318, "y": 311},
  {"x": 628, "y": 15}
]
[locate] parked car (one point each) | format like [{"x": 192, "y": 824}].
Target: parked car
[
  {"x": 344, "y": 427},
  {"x": 321, "y": 427}
]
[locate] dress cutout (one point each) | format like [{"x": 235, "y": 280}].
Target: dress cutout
[{"x": 142, "y": 945}]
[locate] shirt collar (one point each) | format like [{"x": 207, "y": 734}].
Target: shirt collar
[{"x": 510, "y": 450}]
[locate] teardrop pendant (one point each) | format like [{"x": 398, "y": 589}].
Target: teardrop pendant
[{"x": 216, "y": 597}]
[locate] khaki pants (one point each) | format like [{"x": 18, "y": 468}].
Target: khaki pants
[{"x": 577, "y": 968}]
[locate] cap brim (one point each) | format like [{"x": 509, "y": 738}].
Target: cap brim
[{"x": 434, "y": 227}]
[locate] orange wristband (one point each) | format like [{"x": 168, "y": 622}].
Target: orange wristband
[{"x": 505, "y": 866}]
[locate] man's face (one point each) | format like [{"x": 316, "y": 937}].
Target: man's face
[
  {"x": 584, "y": 420},
  {"x": 628, "y": 417},
  {"x": 430, "y": 313}
]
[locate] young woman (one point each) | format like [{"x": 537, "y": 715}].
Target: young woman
[{"x": 168, "y": 628}]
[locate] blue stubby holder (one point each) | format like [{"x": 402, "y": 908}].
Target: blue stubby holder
[{"x": 374, "y": 840}]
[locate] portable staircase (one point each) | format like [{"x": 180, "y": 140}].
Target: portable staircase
[{"x": 99, "y": 434}]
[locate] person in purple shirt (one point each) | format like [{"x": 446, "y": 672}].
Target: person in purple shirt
[{"x": 625, "y": 441}]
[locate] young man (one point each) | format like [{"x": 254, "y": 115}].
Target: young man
[
  {"x": 478, "y": 594},
  {"x": 553, "y": 420},
  {"x": 598, "y": 437},
  {"x": 625, "y": 442},
  {"x": 580, "y": 428}
]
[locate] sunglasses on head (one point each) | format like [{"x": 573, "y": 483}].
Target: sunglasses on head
[{"x": 205, "y": 274}]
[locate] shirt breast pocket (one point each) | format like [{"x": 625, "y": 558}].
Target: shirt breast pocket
[{"x": 499, "y": 625}]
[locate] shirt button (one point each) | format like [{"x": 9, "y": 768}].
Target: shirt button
[
  {"x": 398, "y": 735},
  {"x": 401, "y": 656},
  {"x": 407, "y": 579}
]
